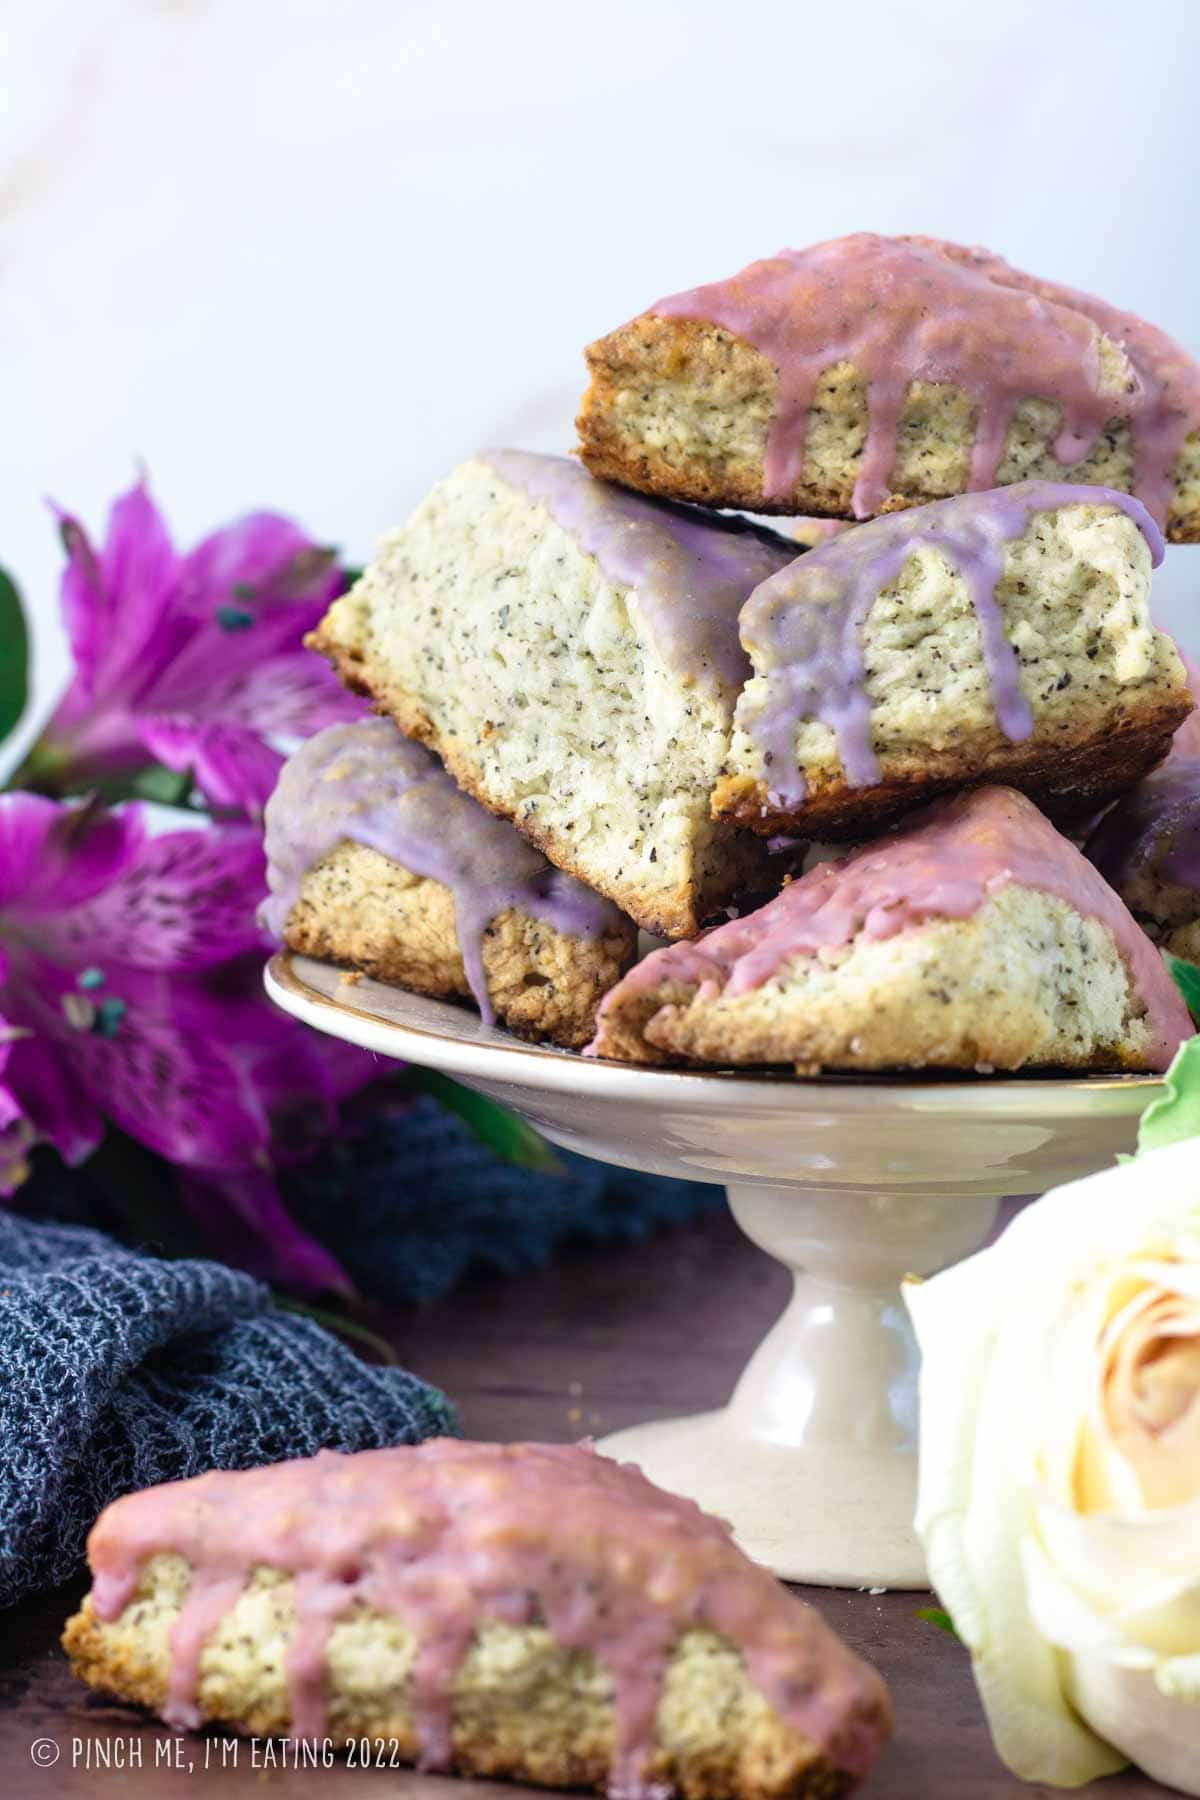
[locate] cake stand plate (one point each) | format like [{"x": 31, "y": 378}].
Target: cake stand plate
[{"x": 853, "y": 1183}]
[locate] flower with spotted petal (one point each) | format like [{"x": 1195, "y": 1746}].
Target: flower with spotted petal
[
  {"x": 130, "y": 972},
  {"x": 193, "y": 661}
]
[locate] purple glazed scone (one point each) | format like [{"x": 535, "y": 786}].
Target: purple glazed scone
[
  {"x": 571, "y": 653},
  {"x": 1148, "y": 848},
  {"x": 377, "y": 861},
  {"x": 997, "y": 637}
]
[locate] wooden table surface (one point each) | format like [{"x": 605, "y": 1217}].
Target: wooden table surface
[{"x": 602, "y": 1339}]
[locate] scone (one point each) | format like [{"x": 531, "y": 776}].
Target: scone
[
  {"x": 571, "y": 652},
  {"x": 375, "y": 859},
  {"x": 995, "y": 637},
  {"x": 974, "y": 938},
  {"x": 872, "y": 373},
  {"x": 1148, "y": 848},
  {"x": 532, "y": 1611}
]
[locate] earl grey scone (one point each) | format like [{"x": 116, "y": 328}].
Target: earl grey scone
[{"x": 571, "y": 653}]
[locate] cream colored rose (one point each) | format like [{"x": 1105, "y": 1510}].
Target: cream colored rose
[{"x": 1059, "y": 1501}]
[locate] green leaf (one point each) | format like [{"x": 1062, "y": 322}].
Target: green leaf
[
  {"x": 14, "y": 655},
  {"x": 1174, "y": 1115},
  {"x": 936, "y": 1615},
  {"x": 502, "y": 1131},
  {"x": 169, "y": 787},
  {"x": 1186, "y": 977}
]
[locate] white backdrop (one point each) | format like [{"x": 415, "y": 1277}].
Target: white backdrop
[{"x": 308, "y": 253}]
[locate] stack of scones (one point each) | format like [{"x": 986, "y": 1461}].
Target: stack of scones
[{"x": 613, "y": 701}]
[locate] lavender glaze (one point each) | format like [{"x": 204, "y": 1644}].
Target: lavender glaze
[
  {"x": 366, "y": 784},
  {"x": 943, "y": 864},
  {"x": 691, "y": 570},
  {"x": 448, "y": 1536},
  {"x": 804, "y": 625},
  {"x": 1154, "y": 830}
]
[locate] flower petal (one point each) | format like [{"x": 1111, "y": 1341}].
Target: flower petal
[
  {"x": 186, "y": 902},
  {"x": 167, "y": 1070},
  {"x": 292, "y": 695},
  {"x": 263, "y": 551},
  {"x": 117, "y": 605},
  {"x": 250, "y": 1226},
  {"x": 54, "y": 856},
  {"x": 52, "y": 1100},
  {"x": 230, "y": 764}
]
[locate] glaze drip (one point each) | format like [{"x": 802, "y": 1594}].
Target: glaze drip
[
  {"x": 366, "y": 784},
  {"x": 448, "y": 1536},
  {"x": 943, "y": 864},
  {"x": 901, "y": 311},
  {"x": 804, "y": 626},
  {"x": 1154, "y": 830},
  {"x": 691, "y": 570},
  {"x": 1169, "y": 408}
]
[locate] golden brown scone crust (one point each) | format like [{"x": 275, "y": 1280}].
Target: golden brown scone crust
[
  {"x": 734, "y": 865},
  {"x": 1026, "y": 983},
  {"x": 681, "y": 409},
  {"x": 1069, "y": 775},
  {"x": 362, "y": 909},
  {"x": 525, "y": 1708}
]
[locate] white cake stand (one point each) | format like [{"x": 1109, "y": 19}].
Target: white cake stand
[{"x": 852, "y": 1183}]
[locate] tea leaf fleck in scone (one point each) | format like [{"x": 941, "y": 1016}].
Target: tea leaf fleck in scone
[
  {"x": 375, "y": 859},
  {"x": 571, "y": 652},
  {"x": 996, "y": 637},
  {"x": 871, "y": 373},
  {"x": 526, "y": 1610},
  {"x": 975, "y": 938}
]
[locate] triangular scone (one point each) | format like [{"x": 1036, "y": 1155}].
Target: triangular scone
[
  {"x": 871, "y": 373},
  {"x": 975, "y": 938},
  {"x": 1148, "y": 848},
  {"x": 1003, "y": 637},
  {"x": 530, "y": 1611},
  {"x": 571, "y": 653},
  {"x": 376, "y": 860}
]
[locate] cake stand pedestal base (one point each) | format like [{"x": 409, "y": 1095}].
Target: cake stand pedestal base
[
  {"x": 813, "y": 1461},
  {"x": 852, "y": 1183}
]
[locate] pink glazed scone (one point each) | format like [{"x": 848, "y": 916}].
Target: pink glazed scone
[
  {"x": 976, "y": 938},
  {"x": 524, "y": 1610}
]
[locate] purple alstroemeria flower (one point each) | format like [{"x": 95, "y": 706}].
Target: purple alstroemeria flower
[
  {"x": 193, "y": 661},
  {"x": 130, "y": 991}
]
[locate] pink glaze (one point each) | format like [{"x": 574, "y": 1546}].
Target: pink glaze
[
  {"x": 1169, "y": 409},
  {"x": 943, "y": 864},
  {"x": 912, "y": 309},
  {"x": 449, "y": 1535}
]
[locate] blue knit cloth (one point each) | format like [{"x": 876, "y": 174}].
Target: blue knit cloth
[
  {"x": 118, "y": 1370},
  {"x": 413, "y": 1203}
]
